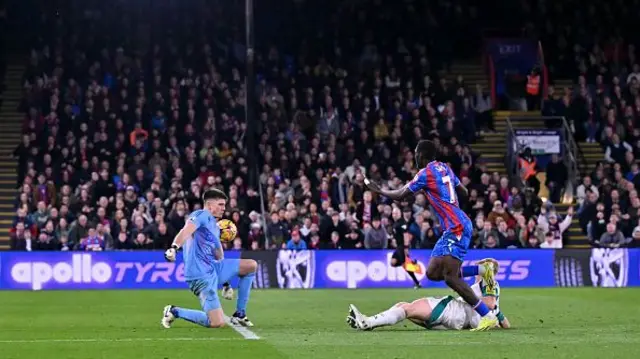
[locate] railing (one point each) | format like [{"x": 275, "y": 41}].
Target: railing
[
  {"x": 513, "y": 150},
  {"x": 570, "y": 159}
]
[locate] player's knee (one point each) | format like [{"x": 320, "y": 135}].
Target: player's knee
[
  {"x": 216, "y": 324},
  {"x": 216, "y": 321},
  {"x": 248, "y": 266},
  {"x": 401, "y": 304},
  {"x": 433, "y": 274}
]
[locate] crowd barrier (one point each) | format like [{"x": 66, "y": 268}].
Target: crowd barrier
[{"x": 313, "y": 269}]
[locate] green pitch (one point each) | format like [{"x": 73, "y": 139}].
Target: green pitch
[{"x": 549, "y": 323}]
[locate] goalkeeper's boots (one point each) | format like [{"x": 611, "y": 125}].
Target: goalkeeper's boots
[
  {"x": 167, "y": 316},
  {"x": 240, "y": 318},
  {"x": 487, "y": 322}
]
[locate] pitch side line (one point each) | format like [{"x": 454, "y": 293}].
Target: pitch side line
[
  {"x": 114, "y": 340},
  {"x": 246, "y": 333}
]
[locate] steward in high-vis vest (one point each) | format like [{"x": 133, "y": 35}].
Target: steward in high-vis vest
[
  {"x": 533, "y": 85},
  {"x": 527, "y": 164},
  {"x": 533, "y": 90}
]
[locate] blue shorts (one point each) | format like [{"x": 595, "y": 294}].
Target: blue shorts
[
  {"x": 450, "y": 245},
  {"x": 206, "y": 289}
]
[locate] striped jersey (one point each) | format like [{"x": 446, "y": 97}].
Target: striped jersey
[{"x": 439, "y": 183}]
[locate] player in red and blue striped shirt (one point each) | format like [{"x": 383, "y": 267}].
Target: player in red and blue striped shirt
[{"x": 442, "y": 188}]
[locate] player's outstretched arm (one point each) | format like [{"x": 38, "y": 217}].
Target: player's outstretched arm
[
  {"x": 462, "y": 193},
  {"x": 395, "y": 195}
]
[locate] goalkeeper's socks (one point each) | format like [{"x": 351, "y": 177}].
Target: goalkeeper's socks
[
  {"x": 244, "y": 289},
  {"x": 470, "y": 271},
  {"x": 194, "y": 316},
  {"x": 390, "y": 316}
]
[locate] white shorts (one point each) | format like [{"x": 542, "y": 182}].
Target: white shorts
[{"x": 448, "y": 313}]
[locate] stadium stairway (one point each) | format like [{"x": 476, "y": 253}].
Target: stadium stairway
[
  {"x": 472, "y": 72},
  {"x": 593, "y": 154},
  {"x": 492, "y": 146},
  {"x": 10, "y": 127},
  {"x": 492, "y": 149}
]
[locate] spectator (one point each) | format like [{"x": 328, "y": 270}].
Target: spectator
[
  {"x": 551, "y": 224},
  {"x": 92, "y": 242},
  {"x": 376, "y": 236},
  {"x": 335, "y": 242},
  {"x": 585, "y": 187},
  {"x": 550, "y": 242},
  {"x": 491, "y": 242},
  {"x": 353, "y": 240},
  {"x": 557, "y": 176},
  {"x": 296, "y": 242},
  {"x": 616, "y": 150},
  {"x": 612, "y": 238},
  {"x": 498, "y": 212},
  {"x": 120, "y": 144}
]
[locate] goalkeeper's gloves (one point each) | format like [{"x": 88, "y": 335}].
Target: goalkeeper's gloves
[
  {"x": 227, "y": 292},
  {"x": 170, "y": 254}
]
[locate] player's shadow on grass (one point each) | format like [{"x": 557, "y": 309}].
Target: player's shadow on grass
[{"x": 405, "y": 329}]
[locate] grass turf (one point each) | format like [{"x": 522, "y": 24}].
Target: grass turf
[{"x": 549, "y": 323}]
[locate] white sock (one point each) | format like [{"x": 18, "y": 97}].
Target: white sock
[{"x": 388, "y": 317}]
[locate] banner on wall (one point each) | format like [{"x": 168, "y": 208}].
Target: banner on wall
[
  {"x": 541, "y": 142},
  {"x": 314, "y": 269}
]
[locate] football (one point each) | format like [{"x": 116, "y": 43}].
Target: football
[{"x": 228, "y": 230}]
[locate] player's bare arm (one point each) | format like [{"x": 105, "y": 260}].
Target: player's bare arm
[
  {"x": 395, "y": 195},
  {"x": 462, "y": 192}
]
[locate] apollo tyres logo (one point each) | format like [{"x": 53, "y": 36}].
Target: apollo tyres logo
[
  {"x": 352, "y": 272},
  {"x": 356, "y": 273},
  {"x": 86, "y": 271},
  {"x": 81, "y": 269}
]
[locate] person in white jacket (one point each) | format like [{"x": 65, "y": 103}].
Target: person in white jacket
[
  {"x": 551, "y": 225},
  {"x": 581, "y": 191}
]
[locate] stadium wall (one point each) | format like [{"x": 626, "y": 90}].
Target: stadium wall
[{"x": 313, "y": 269}]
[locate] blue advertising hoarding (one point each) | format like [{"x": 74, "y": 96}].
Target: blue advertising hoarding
[
  {"x": 91, "y": 270},
  {"x": 313, "y": 269},
  {"x": 371, "y": 269}
]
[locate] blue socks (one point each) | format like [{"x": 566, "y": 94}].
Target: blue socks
[
  {"x": 244, "y": 289},
  {"x": 194, "y": 316},
  {"x": 481, "y": 308},
  {"x": 470, "y": 271}
]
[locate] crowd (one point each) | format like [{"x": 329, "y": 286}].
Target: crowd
[
  {"x": 120, "y": 141},
  {"x": 603, "y": 107}
]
